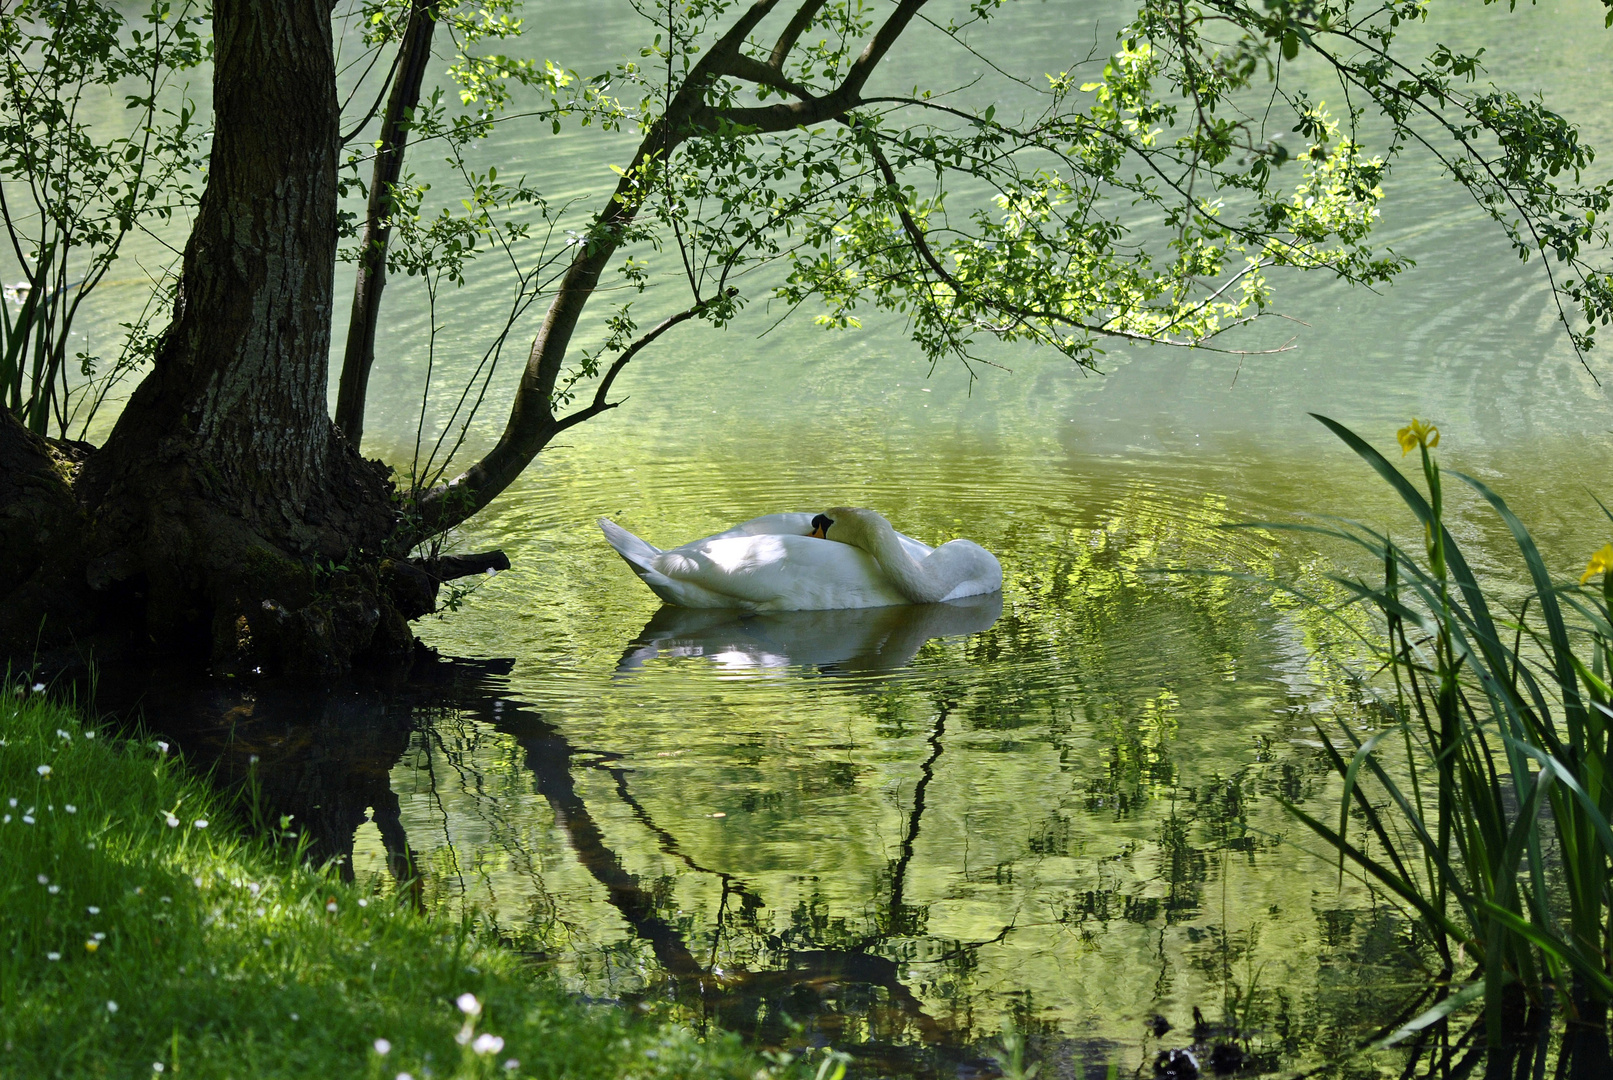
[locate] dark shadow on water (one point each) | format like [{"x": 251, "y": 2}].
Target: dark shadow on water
[
  {"x": 847, "y": 642},
  {"x": 320, "y": 751}
]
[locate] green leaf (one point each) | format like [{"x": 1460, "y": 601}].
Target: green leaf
[
  {"x": 1546, "y": 594},
  {"x": 1467, "y": 994},
  {"x": 1361, "y": 754}
]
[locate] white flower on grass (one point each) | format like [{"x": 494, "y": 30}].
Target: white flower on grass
[
  {"x": 6, "y": 820},
  {"x": 43, "y": 880},
  {"x": 99, "y": 935},
  {"x": 27, "y": 819},
  {"x": 89, "y": 734},
  {"x": 383, "y": 1047},
  {"x": 511, "y": 1065},
  {"x": 156, "y": 1066},
  {"x": 363, "y": 902},
  {"x": 70, "y": 808},
  {"x": 468, "y": 1004},
  {"x": 111, "y": 1006},
  {"x": 405, "y": 1076},
  {"x": 173, "y": 822},
  {"x": 54, "y": 889},
  {"x": 93, "y": 910},
  {"x": 64, "y": 734},
  {"x": 294, "y": 1016},
  {"x": 43, "y": 770},
  {"x": 201, "y": 823},
  {"x": 162, "y": 746},
  {"x": 53, "y": 956},
  {"x": 487, "y": 1044},
  {"x": 11, "y": 802},
  {"x": 39, "y": 688},
  {"x": 330, "y": 905}
]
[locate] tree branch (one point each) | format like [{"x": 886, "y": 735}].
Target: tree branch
[
  {"x": 414, "y": 53},
  {"x": 814, "y": 110},
  {"x": 599, "y": 403},
  {"x": 753, "y": 70},
  {"x": 532, "y": 423},
  {"x": 798, "y": 23}
]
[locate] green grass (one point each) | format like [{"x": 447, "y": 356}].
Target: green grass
[{"x": 144, "y": 933}]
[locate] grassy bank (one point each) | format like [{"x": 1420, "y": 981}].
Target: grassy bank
[{"x": 143, "y": 933}]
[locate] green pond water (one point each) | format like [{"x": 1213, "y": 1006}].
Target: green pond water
[{"x": 900, "y": 832}]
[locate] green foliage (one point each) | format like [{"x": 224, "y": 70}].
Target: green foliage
[
  {"x": 436, "y": 237},
  {"x": 70, "y": 194},
  {"x": 144, "y": 933},
  {"x": 1493, "y": 826},
  {"x": 1145, "y": 205}
]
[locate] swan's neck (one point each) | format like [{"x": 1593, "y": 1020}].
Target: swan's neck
[{"x": 913, "y": 579}]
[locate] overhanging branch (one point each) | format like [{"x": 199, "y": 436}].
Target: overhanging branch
[
  {"x": 600, "y": 404},
  {"x": 532, "y": 423}
]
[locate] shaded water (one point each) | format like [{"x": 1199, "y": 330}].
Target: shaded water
[{"x": 902, "y": 832}]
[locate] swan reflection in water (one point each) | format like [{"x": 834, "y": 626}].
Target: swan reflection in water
[{"x": 844, "y": 641}]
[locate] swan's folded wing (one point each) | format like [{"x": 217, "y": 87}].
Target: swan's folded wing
[
  {"x": 780, "y": 572},
  {"x": 974, "y": 570},
  {"x": 785, "y": 524},
  {"x": 916, "y": 548}
]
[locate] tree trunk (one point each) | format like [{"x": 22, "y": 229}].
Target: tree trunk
[{"x": 224, "y": 484}]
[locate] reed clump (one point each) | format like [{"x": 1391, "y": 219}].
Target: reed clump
[{"x": 1493, "y": 828}]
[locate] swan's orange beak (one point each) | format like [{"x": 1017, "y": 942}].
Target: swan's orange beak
[
  {"x": 820, "y": 531},
  {"x": 820, "y": 526}
]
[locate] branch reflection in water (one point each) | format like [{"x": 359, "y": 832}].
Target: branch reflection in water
[
  {"x": 807, "y": 989},
  {"x": 846, "y": 641}
]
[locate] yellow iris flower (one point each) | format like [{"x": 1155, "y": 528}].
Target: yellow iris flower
[
  {"x": 1417, "y": 434},
  {"x": 1600, "y": 563}
]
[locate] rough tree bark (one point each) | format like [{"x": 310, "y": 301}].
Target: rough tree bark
[{"x": 224, "y": 483}]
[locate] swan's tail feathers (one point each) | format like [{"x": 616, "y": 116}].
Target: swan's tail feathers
[{"x": 638, "y": 554}]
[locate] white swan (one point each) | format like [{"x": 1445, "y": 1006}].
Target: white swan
[{"x": 846, "y": 558}]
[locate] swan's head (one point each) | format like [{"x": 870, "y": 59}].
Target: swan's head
[{"x": 850, "y": 524}]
